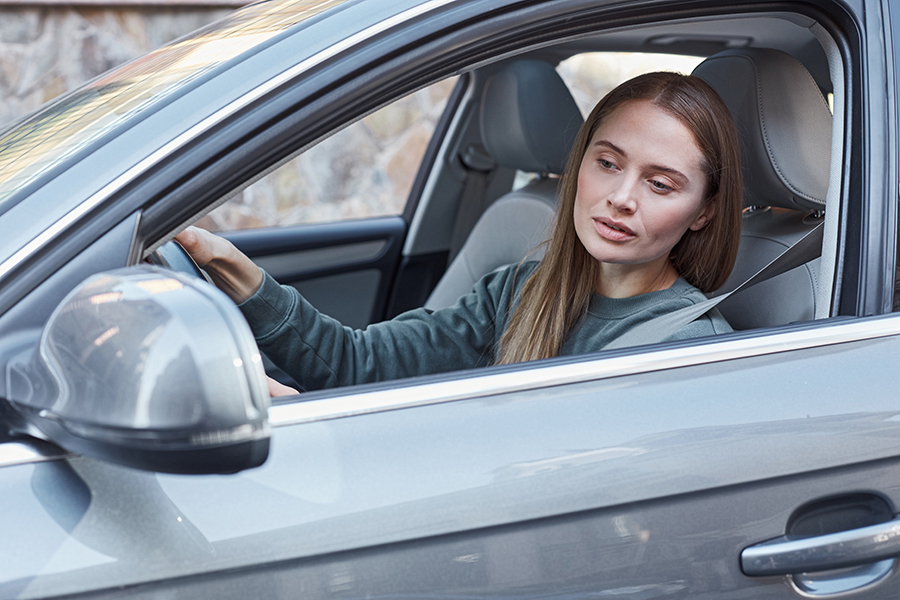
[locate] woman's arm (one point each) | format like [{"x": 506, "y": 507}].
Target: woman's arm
[
  {"x": 232, "y": 272},
  {"x": 229, "y": 268},
  {"x": 319, "y": 352}
]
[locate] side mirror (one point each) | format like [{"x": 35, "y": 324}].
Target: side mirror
[{"x": 151, "y": 369}]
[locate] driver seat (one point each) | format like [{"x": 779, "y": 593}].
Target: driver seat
[
  {"x": 784, "y": 126},
  {"x": 529, "y": 121}
]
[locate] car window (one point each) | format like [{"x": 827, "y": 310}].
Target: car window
[
  {"x": 37, "y": 144},
  {"x": 591, "y": 75},
  {"x": 366, "y": 170}
]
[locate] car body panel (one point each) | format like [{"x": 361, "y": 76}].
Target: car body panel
[
  {"x": 508, "y": 461},
  {"x": 643, "y": 475}
]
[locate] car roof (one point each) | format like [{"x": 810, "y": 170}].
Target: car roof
[{"x": 783, "y": 31}]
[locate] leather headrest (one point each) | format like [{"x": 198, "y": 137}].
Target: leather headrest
[
  {"x": 783, "y": 121},
  {"x": 529, "y": 119}
]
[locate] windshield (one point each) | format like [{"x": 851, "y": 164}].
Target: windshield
[{"x": 34, "y": 146}]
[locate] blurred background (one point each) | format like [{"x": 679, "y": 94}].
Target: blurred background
[{"x": 48, "y": 48}]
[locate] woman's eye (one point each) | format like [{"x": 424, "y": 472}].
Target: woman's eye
[
  {"x": 660, "y": 186},
  {"x": 606, "y": 164}
]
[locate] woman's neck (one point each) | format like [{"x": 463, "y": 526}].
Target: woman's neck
[{"x": 624, "y": 281}]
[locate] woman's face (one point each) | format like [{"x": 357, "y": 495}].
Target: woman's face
[{"x": 640, "y": 187}]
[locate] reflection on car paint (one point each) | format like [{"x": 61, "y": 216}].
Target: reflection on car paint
[{"x": 76, "y": 120}]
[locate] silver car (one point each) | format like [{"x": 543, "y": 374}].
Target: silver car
[{"x": 382, "y": 155}]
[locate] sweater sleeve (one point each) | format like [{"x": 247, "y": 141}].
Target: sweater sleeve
[{"x": 319, "y": 352}]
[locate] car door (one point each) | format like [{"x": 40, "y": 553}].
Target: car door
[
  {"x": 660, "y": 476},
  {"x": 640, "y": 473},
  {"x": 644, "y": 475},
  {"x": 332, "y": 221}
]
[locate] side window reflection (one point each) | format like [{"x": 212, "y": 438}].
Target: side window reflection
[
  {"x": 366, "y": 170},
  {"x": 591, "y": 75}
]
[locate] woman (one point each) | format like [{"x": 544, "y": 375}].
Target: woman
[{"x": 649, "y": 218}]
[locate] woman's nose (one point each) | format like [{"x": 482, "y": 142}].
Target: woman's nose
[{"x": 622, "y": 198}]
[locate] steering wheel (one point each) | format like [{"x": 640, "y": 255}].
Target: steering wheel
[{"x": 172, "y": 256}]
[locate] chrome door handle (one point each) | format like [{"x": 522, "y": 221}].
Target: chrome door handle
[{"x": 787, "y": 555}]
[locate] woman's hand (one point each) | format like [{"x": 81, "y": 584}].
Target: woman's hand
[
  {"x": 232, "y": 272},
  {"x": 278, "y": 389},
  {"x": 229, "y": 268}
]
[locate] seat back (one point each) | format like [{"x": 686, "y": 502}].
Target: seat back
[
  {"x": 784, "y": 126},
  {"x": 529, "y": 121}
]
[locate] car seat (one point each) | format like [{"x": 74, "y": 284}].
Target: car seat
[
  {"x": 784, "y": 125},
  {"x": 528, "y": 121}
]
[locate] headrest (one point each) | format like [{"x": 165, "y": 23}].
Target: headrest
[
  {"x": 783, "y": 121},
  {"x": 529, "y": 119}
]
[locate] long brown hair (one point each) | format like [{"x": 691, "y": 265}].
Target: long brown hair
[{"x": 557, "y": 294}]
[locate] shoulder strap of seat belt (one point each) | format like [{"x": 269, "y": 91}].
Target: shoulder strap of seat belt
[
  {"x": 479, "y": 165},
  {"x": 656, "y": 330}
]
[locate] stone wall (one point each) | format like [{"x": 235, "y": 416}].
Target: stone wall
[
  {"x": 364, "y": 171},
  {"x": 46, "y": 50}
]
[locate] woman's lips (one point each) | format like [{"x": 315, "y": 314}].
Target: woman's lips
[{"x": 613, "y": 231}]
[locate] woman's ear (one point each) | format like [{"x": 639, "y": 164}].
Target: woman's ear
[{"x": 706, "y": 214}]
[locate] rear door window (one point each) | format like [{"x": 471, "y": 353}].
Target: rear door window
[{"x": 364, "y": 171}]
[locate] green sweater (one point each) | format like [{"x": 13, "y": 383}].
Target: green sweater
[{"x": 319, "y": 352}]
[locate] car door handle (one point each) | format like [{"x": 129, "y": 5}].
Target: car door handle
[{"x": 787, "y": 555}]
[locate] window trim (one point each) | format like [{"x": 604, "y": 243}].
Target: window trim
[
  {"x": 350, "y": 402},
  {"x": 591, "y": 368}
]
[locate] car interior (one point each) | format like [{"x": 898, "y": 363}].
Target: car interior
[
  {"x": 783, "y": 119},
  {"x": 779, "y": 74},
  {"x": 785, "y": 125}
]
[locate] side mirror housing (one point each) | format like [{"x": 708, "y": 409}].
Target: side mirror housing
[{"x": 151, "y": 369}]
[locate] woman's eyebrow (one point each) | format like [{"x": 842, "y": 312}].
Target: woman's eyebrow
[
  {"x": 669, "y": 170},
  {"x": 611, "y": 146}
]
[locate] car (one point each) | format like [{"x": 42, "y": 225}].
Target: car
[{"x": 142, "y": 458}]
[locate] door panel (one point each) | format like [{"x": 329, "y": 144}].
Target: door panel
[
  {"x": 640, "y": 486},
  {"x": 344, "y": 269},
  {"x": 682, "y": 548}
]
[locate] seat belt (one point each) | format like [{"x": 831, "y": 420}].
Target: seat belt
[
  {"x": 479, "y": 165},
  {"x": 656, "y": 330}
]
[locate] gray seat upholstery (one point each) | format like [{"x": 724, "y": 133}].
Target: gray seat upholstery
[
  {"x": 785, "y": 128},
  {"x": 528, "y": 121}
]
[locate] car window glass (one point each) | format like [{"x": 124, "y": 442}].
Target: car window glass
[
  {"x": 591, "y": 75},
  {"x": 366, "y": 170},
  {"x": 72, "y": 122}
]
